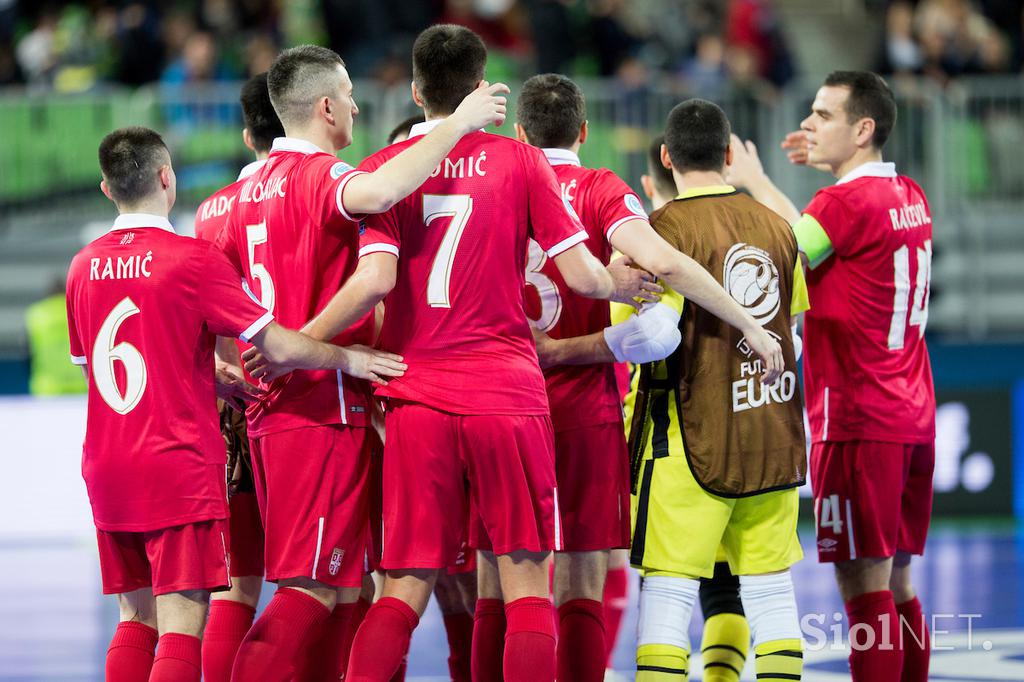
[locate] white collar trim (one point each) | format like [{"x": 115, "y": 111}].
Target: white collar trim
[
  {"x": 250, "y": 168},
  {"x": 294, "y": 144},
  {"x": 871, "y": 169},
  {"x": 134, "y": 221},
  {"x": 424, "y": 127},
  {"x": 561, "y": 157}
]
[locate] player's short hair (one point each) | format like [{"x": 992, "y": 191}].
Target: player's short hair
[
  {"x": 664, "y": 182},
  {"x": 258, "y": 113},
  {"x": 870, "y": 97},
  {"x": 551, "y": 110},
  {"x": 130, "y": 159},
  {"x": 447, "y": 63},
  {"x": 299, "y": 77},
  {"x": 404, "y": 128},
  {"x": 697, "y": 136}
]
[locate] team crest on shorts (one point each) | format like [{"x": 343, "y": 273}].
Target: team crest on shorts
[{"x": 336, "y": 556}]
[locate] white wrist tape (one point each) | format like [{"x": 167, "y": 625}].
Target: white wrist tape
[{"x": 651, "y": 335}]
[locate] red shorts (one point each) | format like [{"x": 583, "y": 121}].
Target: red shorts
[
  {"x": 375, "y": 534},
  {"x": 871, "y": 499},
  {"x": 428, "y": 457},
  {"x": 592, "y": 470},
  {"x": 246, "y": 545},
  {"x": 189, "y": 557},
  {"x": 312, "y": 489}
]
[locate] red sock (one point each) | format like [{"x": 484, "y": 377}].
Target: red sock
[
  {"x": 382, "y": 642},
  {"x": 916, "y": 642},
  {"x": 178, "y": 659},
  {"x": 459, "y": 627},
  {"x": 873, "y": 620},
  {"x": 581, "y": 641},
  {"x": 529, "y": 641},
  {"x": 327, "y": 658},
  {"x": 616, "y": 597},
  {"x": 488, "y": 647},
  {"x": 225, "y": 629},
  {"x": 275, "y": 645},
  {"x": 130, "y": 656}
]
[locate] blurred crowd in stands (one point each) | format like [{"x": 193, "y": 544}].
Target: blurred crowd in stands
[{"x": 78, "y": 46}]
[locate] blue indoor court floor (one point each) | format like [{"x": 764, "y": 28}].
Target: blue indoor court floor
[{"x": 55, "y": 624}]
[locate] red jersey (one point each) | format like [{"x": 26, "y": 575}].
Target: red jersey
[
  {"x": 456, "y": 312},
  {"x": 144, "y": 309},
  {"x": 580, "y": 395},
  {"x": 866, "y": 366},
  {"x": 212, "y": 214},
  {"x": 295, "y": 245}
]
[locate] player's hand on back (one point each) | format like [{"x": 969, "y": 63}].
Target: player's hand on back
[
  {"x": 633, "y": 285},
  {"x": 768, "y": 349},
  {"x": 746, "y": 167},
  {"x": 482, "y": 107},
  {"x": 797, "y": 147},
  {"x": 378, "y": 366},
  {"x": 233, "y": 389}
]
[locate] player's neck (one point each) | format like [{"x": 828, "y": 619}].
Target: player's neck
[
  {"x": 862, "y": 156},
  {"x": 657, "y": 201},
  {"x": 156, "y": 206},
  {"x": 696, "y": 179},
  {"x": 263, "y": 156},
  {"x": 320, "y": 138}
]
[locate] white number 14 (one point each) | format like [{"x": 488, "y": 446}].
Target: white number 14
[{"x": 901, "y": 301}]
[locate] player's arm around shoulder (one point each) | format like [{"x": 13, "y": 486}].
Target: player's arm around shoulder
[{"x": 400, "y": 176}]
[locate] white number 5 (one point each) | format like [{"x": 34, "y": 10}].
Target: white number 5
[
  {"x": 257, "y": 234},
  {"x": 105, "y": 352},
  {"x": 458, "y": 207}
]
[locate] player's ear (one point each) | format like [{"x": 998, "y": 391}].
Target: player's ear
[
  {"x": 165, "y": 176},
  {"x": 865, "y": 132},
  {"x": 583, "y": 132},
  {"x": 647, "y": 183},
  {"x": 106, "y": 190},
  {"x": 416, "y": 95},
  {"x": 521, "y": 134},
  {"x": 247, "y": 139},
  {"x": 323, "y": 108},
  {"x": 666, "y": 160},
  {"x": 728, "y": 156}
]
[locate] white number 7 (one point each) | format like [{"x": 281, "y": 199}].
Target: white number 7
[{"x": 458, "y": 207}]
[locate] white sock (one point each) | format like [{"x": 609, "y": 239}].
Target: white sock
[
  {"x": 770, "y": 606},
  {"x": 666, "y": 604}
]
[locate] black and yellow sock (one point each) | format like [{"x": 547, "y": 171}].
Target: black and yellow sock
[
  {"x": 780, "y": 659},
  {"x": 662, "y": 663},
  {"x": 724, "y": 646}
]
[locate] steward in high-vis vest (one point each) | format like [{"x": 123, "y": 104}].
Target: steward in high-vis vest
[{"x": 717, "y": 456}]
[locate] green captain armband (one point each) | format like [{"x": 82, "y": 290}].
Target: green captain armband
[{"x": 812, "y": 240}]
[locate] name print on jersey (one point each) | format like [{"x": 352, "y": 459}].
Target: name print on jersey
[
  {"x": 255, "y": 192},
  {"x": 909, "y": 217},
  {"x": 462, "y": 167},
  {"x": 131, "y": 267},
  {"x": 216, "y": 207}
]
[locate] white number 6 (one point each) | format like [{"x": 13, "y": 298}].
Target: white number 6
[{"x": 105, "y": 352}]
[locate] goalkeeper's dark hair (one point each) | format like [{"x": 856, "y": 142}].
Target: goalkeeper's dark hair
[
  {"x": 258, "y": 113},
  {"x": 447, "y": 63},
  {"x": 130, "y": 160},
  {"x": 870, "y": 97},
  {"x": 404, "y": 128},
  {"x": 697, "y": 136},
  {"x": 662, "y": 177},
  {"x": 551, "y": 110}
]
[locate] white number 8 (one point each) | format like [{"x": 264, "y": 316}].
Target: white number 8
[{"x": 105, "y": 352}]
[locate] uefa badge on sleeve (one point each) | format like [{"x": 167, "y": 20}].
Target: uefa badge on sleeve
[{"x": 339, "y": 169}]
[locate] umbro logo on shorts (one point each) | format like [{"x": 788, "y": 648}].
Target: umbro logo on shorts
[
  {"x": 827, "y": 544},
  {"x": 336, "y": 556}
]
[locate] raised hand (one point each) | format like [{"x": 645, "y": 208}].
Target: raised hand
[
  {"x": 633, "y": 286},
  {"x": 797, "y": 146},
  {"x": 482, "y": 107},
  {"x": 745, "y": 169}
]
